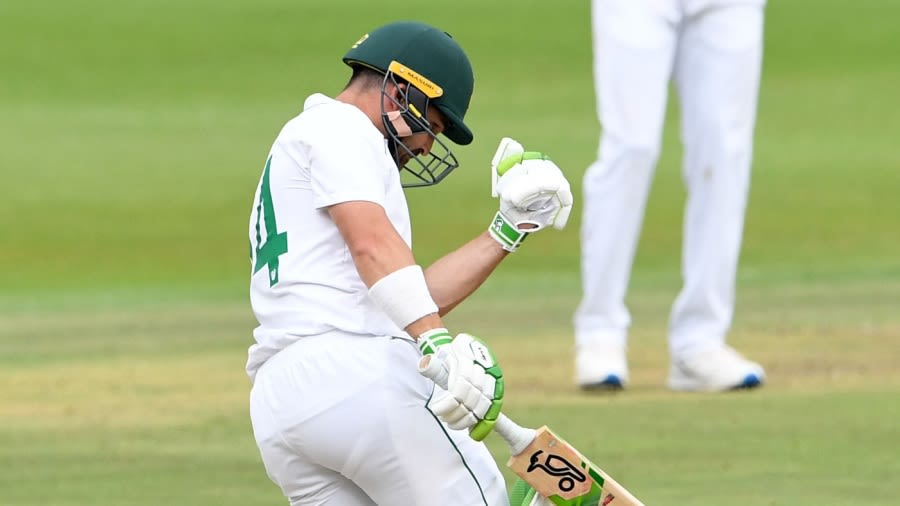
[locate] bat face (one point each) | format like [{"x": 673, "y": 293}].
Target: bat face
[
  {"x": 555, "y": 465},
  {"x": 560, "y": 473}
]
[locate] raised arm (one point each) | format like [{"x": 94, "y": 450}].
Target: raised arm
[
  {"x": 534, "y": 194},
  {"x": 453, "y": 277}
]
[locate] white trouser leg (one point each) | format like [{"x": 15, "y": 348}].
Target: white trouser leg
[
  {"x": 717, "y": 73},
  {"x": 343, "y": 421},
  {"x": 634, "y": 46}
]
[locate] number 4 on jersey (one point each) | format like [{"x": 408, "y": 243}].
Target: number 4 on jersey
[{"x": 275, "y": 245}]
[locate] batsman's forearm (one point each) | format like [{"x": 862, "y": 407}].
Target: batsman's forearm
[{"x": 455, "y": 276}]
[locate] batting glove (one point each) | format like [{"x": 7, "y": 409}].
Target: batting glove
[
  {"x": 533, "y": 192},
  {"x": 474, "y": 395}
]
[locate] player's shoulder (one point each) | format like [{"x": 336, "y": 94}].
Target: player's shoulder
[
  {"x": 329, "y": 126},
  {"x": 324, "y": 116},
  {"x": 320, "y": 104}
]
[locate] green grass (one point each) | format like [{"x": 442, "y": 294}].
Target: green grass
[
  {"x": 149, "y": 404},
  {"x": 133, "y": 135}
]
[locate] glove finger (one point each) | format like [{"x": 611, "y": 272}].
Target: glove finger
[
  {"x": 520, "y": 192},
  {"x": 531, "y": 174},
  {"x": 464, "y": 423},
  {"x": 461, "y": 371},
  {"x": 460, "y": 364},
  {"x": 448, "y": 409},
  {"x": 565, "y": 195},
  {"x": 442, "y": 404},
  {"x": 489, "y": 389},
  {"x": 488, "y": 386},
  {"x": 453, "y": 373},
  {"x": 472, "y": 397},
  {"x": 467, "y": 389},
  {"x": 542, "y": 202},
  {"x": 535, "y": 202},
  {"x": 481, "y": 408},
  {"x": 562, "y": 217},
  {"x": 456, "y": 416}
]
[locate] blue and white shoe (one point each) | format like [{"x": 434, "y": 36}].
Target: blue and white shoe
[
  {"x": 714, "y": 370},
  {"x": 601, "y": 367}
]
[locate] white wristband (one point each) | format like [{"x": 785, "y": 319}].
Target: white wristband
[{"x": 403, "y": 295}]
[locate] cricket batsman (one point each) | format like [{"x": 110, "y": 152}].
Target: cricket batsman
[{"x": 340, "y": 413}]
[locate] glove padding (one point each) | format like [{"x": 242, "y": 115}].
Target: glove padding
[
  {"x": 474, "y": 395},
  {"x": 533, "y": 191}
]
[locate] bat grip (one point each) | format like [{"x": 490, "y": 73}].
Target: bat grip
[{"x": 517, "y": 437}]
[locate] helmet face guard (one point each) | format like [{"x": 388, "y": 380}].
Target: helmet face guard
[{"x": 411, "y": 118}]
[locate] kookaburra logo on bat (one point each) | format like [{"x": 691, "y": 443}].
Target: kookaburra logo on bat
[{"x": 554, "y": 465}]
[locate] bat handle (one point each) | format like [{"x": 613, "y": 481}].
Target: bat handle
[{"x": 517, "y": 437}]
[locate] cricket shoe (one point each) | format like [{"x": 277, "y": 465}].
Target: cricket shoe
[
  {"x": 713, "y": 370},
  {"x": 601, "y": 367}
]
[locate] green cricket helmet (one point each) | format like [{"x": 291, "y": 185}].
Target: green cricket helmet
[{"x": 437, "y": 72}]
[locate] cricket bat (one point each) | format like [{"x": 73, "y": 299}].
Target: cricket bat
[{"x": 553, "y": 467}]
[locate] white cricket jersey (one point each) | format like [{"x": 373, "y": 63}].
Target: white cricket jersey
[{"x": 303, "y": 280}]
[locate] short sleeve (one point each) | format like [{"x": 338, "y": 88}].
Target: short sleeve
[{"x": 346, "y": 163}]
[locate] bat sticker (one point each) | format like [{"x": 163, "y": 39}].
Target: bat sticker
[{"x": 554, "y": 465}]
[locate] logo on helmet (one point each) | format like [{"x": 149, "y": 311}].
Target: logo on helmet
[{"x": 421, "y": 82}]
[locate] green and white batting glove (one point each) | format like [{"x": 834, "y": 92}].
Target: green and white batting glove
[
  {"x": 474, "y": 394},
  {"x": 430, "y": 341},
  {"x": 533, "y": 192}
]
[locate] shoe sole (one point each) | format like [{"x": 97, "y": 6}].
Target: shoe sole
[
  {"x": 749, "y": 382},
  {"x": 611, "y": 382}
]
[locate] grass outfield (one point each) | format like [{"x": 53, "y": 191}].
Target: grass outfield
[{"x": 133, "y": 134}]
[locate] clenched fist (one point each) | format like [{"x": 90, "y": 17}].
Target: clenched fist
[{"x": 533, "y": 192}]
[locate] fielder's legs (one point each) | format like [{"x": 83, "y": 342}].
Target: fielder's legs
[
  {"x": 717, "y": 74},
  {"x": 634, "y": 45}
]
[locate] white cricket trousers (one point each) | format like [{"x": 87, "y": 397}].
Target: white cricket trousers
[
  {"x": 712, "y": 50},
  {"x": 343, "y": 420}
]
